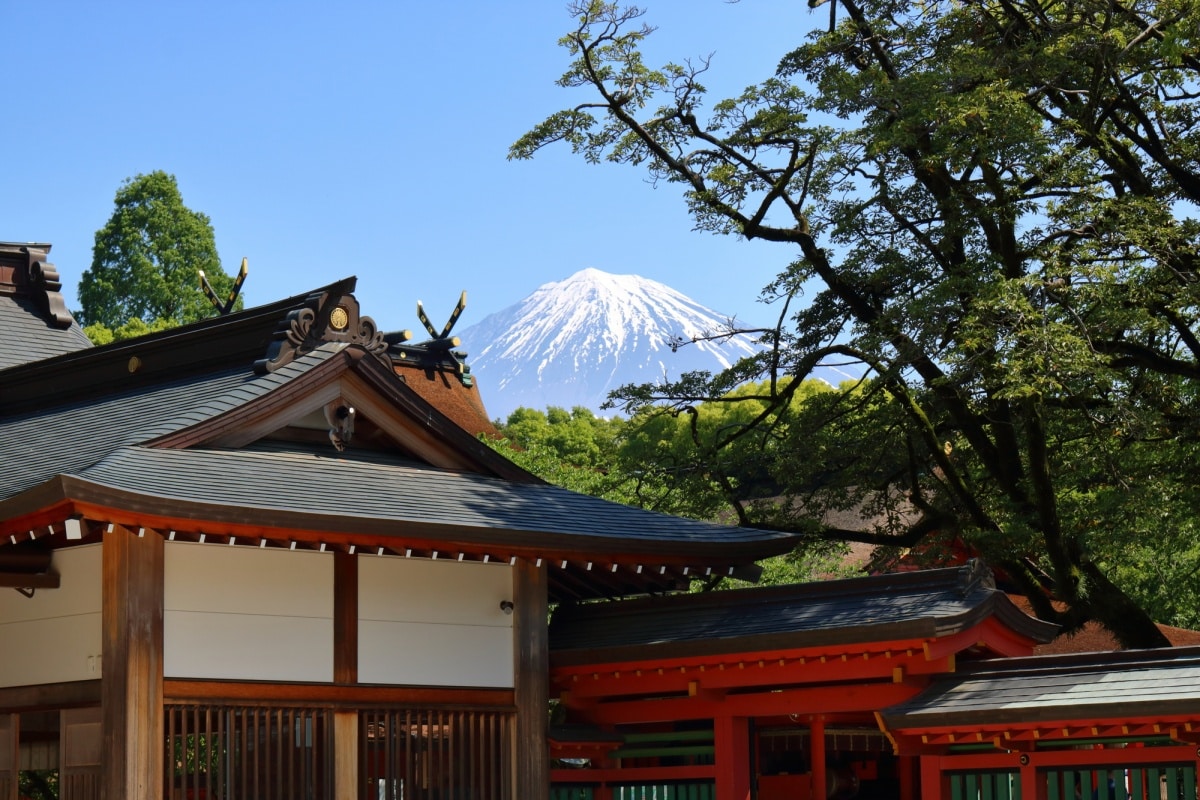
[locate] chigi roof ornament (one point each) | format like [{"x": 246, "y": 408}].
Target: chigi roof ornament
[
  {"x": 328, "y": 316},
  {"x": 439, "y": 350},
  {"x": 227, "y": 306}
]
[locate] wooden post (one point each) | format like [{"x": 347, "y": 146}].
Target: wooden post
[
  {"x": 531, "y": 681},
  {"x": 345, "y": 753},
  {"x": 931, "y": 777},
  {"x": 132, "y": 665},
  {"x": 731, "y": 743},
  {"x": 1030, "y": 790},
  {"x": 345, "y": 672},
  {"x": 345, "y": 618},
  {"x": 907, "y": 767},
  {"x": 10, "y": 755},
  {"x": 816, "y": 746}
]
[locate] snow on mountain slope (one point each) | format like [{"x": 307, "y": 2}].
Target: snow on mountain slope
[{"x": 573, "y": 341}]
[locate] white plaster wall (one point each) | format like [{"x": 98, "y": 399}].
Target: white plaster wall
[
  {"x": 434, "y": 623},
  {"x": 55, "y": 635},
  {"x": 244, "y": 614}
]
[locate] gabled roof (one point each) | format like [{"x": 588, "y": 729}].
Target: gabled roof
[
  {"x": 33, "y": 318},
  {"x": 915, "y": 605},
  {"x": 288, "y": 424}
]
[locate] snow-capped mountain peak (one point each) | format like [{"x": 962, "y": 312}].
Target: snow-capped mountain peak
[{"x": 573, "y": 341}]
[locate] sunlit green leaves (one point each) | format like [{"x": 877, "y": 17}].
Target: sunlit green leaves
[
  {"x": 147, "y": 260},
  {"x": 996, "y": 216}
]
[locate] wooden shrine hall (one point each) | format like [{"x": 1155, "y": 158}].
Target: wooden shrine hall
[{"x": 265, "y": 556}]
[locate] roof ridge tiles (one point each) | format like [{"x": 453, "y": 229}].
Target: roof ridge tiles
[{"x": 198, "y": 347}]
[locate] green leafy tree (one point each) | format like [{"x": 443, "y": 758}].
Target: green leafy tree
[
  {"x": 146, "y": 263},
  {"x": 572, "y": 449},
  {"x": 992, "y": 206},
  {"x": 649, "y": 462}
]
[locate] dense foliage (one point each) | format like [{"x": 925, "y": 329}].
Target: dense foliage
[
  {"x": 648, "y": 462},
  {"x": 992, "y": 207},
  {"x": 146, "y": 263}
]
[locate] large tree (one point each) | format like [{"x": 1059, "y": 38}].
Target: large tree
[
  {"x": 147, "y": 259},
  {"x": 992, "y": 204}
]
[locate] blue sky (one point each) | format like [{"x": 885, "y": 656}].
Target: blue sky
[{"x": 364, "y": 138}]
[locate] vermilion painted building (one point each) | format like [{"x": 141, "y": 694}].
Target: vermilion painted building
[{"x": 913, "y": 685}]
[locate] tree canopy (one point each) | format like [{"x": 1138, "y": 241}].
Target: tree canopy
[
  {"x": 992, "y": 207},
  {"x": 648, "y": 462},
  {"x": 146, "y": 262}
]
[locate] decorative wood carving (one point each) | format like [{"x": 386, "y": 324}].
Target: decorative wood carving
[
  {"x": 47, "y": 288},
  {"x": 330, "y": 316}
]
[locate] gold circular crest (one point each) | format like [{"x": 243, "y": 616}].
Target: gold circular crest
[{"x": 339, "y": 318}]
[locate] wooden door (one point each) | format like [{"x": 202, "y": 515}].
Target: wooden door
[{"x": 80, "y": 745}]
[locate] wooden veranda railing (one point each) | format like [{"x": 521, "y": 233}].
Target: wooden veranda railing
[{"x": 278, "y": 752}]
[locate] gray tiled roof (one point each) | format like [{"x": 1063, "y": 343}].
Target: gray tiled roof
[
  {"x": 382, "y": 493},
  {"x": 27, "y": 336},
  {"x": 37, "y": 445},
  {"x": 885, "y": 607},
  {"x": 1058, "y": 689}
]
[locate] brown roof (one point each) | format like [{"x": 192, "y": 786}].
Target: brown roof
[{"x": 445, "y": 390}]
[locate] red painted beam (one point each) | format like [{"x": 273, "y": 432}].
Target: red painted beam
[{"x": 859, "y": 698}]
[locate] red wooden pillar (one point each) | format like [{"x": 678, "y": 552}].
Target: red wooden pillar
[
  {"x": 131, "y": 685},
  {"x": 816, "y": 746},
  {"x": 731, "y": 742},
  {"x": 1030, "y": 790},
  {"x": 907, "y": 768},
  {"x": 931, "y": 777},
  {"x": 531, "y": 680}
]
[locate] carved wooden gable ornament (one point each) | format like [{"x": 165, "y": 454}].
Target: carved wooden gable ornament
[{"x": 329, "y": 316}]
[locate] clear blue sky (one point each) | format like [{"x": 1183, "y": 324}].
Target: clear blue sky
[{"x": 368, "y": 138}]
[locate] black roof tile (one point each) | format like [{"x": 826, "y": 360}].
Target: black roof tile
[
  {"x": 383, "y": 493},
  {"x": 36, "y": 445},
  {"x": 879, "y": 608},
  {"x": 27, "y": 336}
]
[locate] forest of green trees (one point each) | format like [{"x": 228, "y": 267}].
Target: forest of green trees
[{"x": 990, "y": 206}]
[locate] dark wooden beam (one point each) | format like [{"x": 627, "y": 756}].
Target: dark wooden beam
[
  {"x": 27, "y": 580},
  {"x": 132, "y": 679},
  {"x": 345, "y": 618},
  {"x": 531, "y": 685},
  {"x": 51, "y": 696},
  {"x": 241, "y": 692}
]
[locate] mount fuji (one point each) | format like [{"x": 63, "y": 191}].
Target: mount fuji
[{"x": 571, "y": 342}]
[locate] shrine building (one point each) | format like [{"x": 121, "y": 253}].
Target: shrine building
[{"x": 267, "y": 556}]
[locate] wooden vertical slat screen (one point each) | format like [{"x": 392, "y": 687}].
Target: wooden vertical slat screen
[
  {"x": 216, "y": 752},
  {"x": 434, "y": 754}
]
